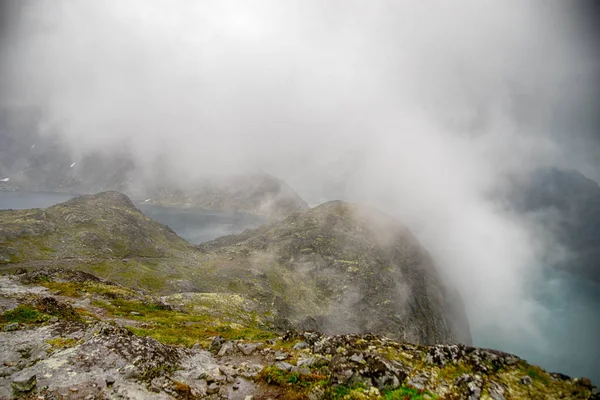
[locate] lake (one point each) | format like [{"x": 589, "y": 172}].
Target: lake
[{"x": 569, "y": 339}]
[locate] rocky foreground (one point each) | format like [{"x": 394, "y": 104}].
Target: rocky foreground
[{"x": 69, "y": 334}]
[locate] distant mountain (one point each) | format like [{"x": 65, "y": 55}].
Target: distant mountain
[
  {"x": 36, "y": 162},
  {"x": 570, "y": 205}
]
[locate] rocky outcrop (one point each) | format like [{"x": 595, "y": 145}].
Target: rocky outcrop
[{"x": 107, "y": 352}]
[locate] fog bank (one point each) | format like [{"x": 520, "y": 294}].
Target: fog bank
[{"x": 423, "y": 110}]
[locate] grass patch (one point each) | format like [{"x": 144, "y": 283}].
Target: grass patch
[
  {"x": 407, "y": 393},
  {"x": 25, "y": 314},
  {"x": 179, "y": 328},
  {"x": 78, "y": 289},
  {"x": 293, "y": 380},
  {"x": 537, "y": 374},
  {"x": 60, "y": 343},
  {"x": 454, "y": 370}
]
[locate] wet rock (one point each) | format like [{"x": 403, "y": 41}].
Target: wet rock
[
  {"x": 51, "y": 306},
  {"x": 300, "y": 346},
  {"x": 249, "y": 348},
  {"x": 284, "y": 366},
  {"x": 23, "y": 382},
  {"x": 226, "y": 349},
  {"x": 216, "y": 344},
  {"x": 212, "y": 388}
]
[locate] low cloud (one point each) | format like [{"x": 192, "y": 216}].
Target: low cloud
[{"x": 423, "y": 110}]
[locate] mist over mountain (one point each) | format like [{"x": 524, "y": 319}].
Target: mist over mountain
[
  {"x": 35, "y": 162},
  {"x": 443, "y": 116},
  {"x": 342, "y": 269}
]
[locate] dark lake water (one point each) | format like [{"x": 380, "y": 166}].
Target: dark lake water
[{"x": 569, "y": 330}]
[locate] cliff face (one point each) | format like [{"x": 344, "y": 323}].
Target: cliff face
[{"x": 351, "y": 269}]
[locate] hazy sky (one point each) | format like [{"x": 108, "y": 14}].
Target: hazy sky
[{"x": 420, "y": 108}]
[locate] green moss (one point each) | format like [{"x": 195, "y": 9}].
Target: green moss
[
  {"x": 293, "y": 381},
  {"x": 77, "y": 289},
  {"x": 24, "y": 314},
  {"x": 407, "y": 393},
  {"x": 60, "y": 343},
  {"x": 537, "y": 374},
  {"x": 177, "y": 327},
  {"x": 454, "y": 370}
]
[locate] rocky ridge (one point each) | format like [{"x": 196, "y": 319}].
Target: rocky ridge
[{"x": 69, "y": 334}]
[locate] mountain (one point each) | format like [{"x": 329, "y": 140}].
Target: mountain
[
  {"x": 350, "y": 268},
  {"x": 258, "y": 193},
  {"x": 106, "y": 225},
  {"x": 45, "y": 162},
  {"x": 337, "y": 268},
  {"x": 570, "y": 205},
  {"x": 99, "y": 301}
]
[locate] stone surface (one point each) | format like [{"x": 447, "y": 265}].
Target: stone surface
[{"x": 23, "y": 382}]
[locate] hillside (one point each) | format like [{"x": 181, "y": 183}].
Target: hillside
[
  {"x": 70, "y": 335},
  {"x": 336, "y": 268},
  {"x": 106, "y": 225},
  {"x": 293, "y": 309},
  {"x": 349, "y": 268}
]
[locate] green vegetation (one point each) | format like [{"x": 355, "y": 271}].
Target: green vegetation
[
  {"x": 297, "y": 385},
  {"x": 537, "y": 374},
  {"x": 78, "y": 289},
  {"x": 407, "y": 393},
  {"x": 24, "y": 314},
  {"x": 60, "y": 343},
  {"x": 275, "y": 376},
  {"x": 178, "y": 327}
]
